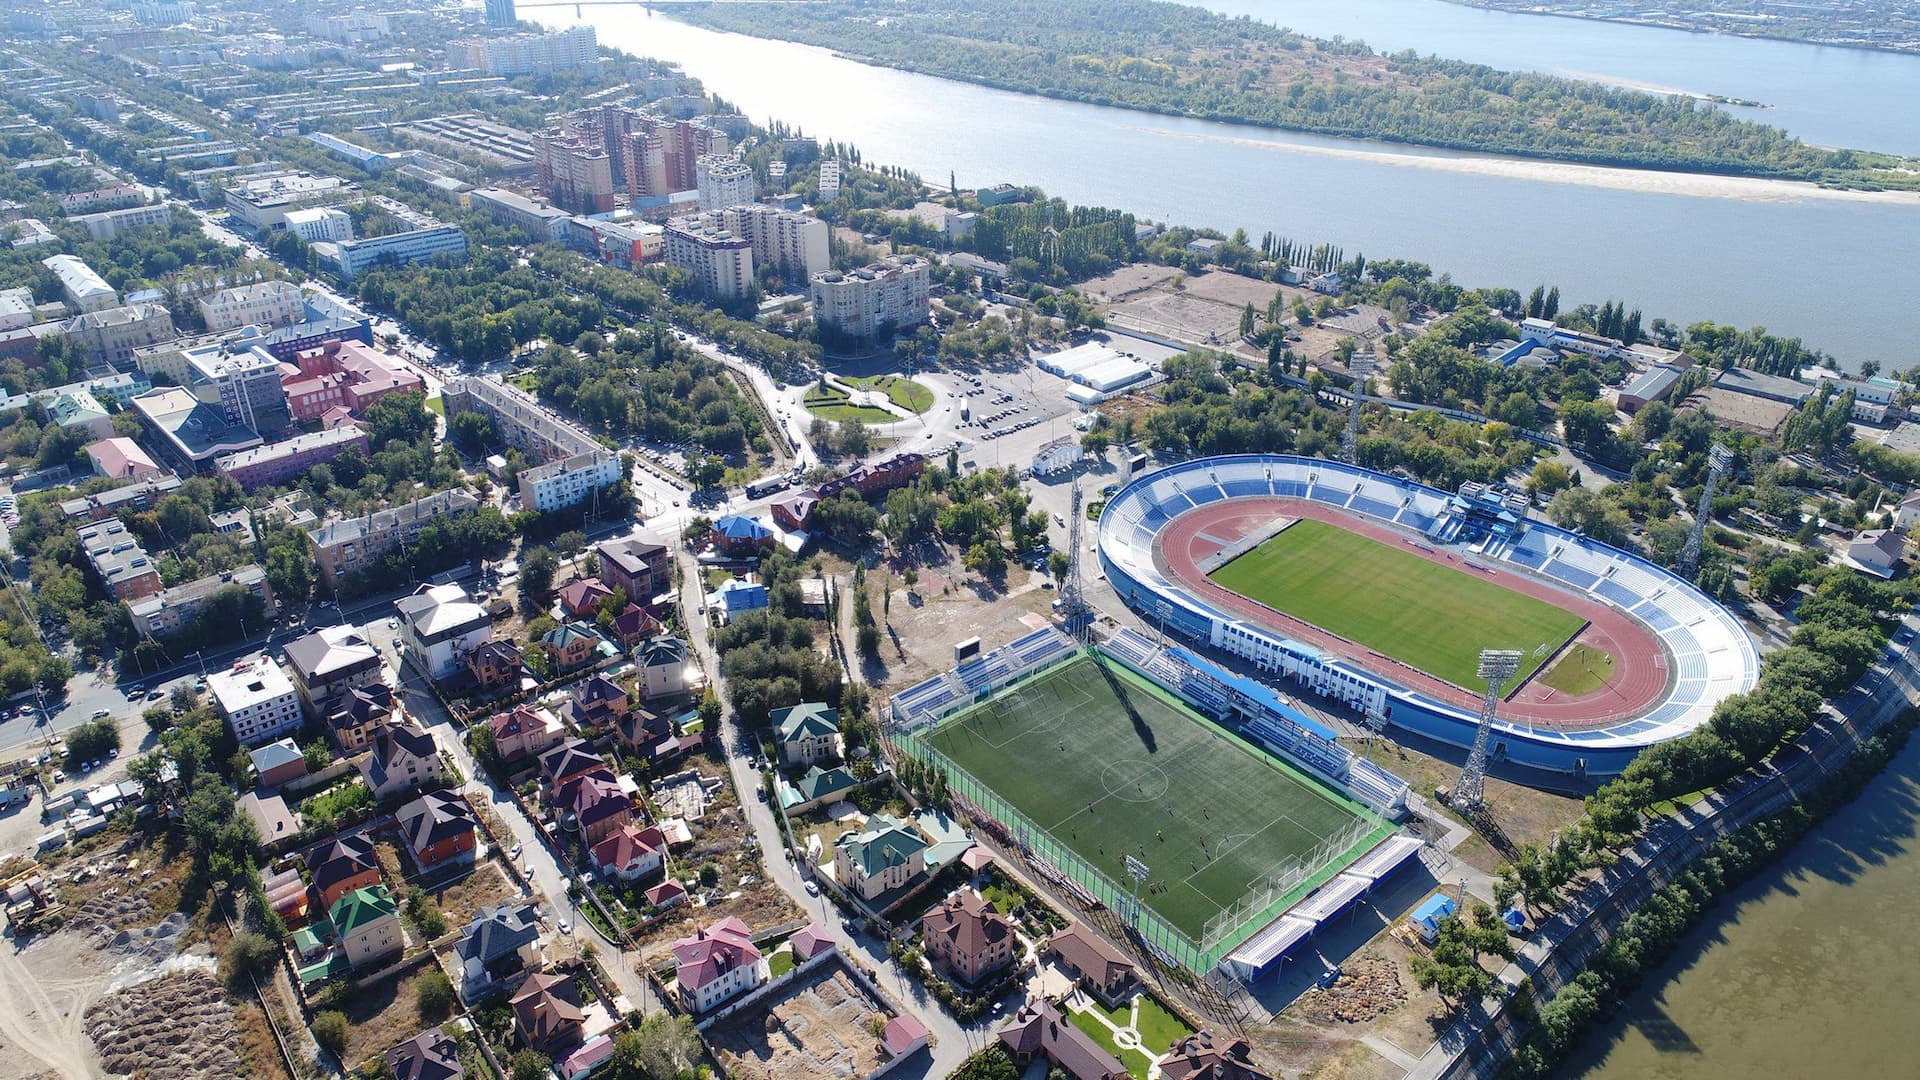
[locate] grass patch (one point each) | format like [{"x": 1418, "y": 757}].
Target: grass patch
[
  {"x": 1137, "y": 1063},
  {"x": 1581, "y": 669},
  {"x": 1108, "y": 766},
  {"x": 1426, "y": 615},
  {"x": 899, "y": 389},
  {"x": 1158, "y": 1026},
  {"x": 779, "y": 963},
  {"x": 832, "y": 403},
  {"x": 436, "y": 406}
]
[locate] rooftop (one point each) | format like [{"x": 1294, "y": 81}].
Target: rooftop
[{"x": 248, "y": 683}]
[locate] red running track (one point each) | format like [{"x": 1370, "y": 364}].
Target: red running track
[{"x": 1640, "y": 673}]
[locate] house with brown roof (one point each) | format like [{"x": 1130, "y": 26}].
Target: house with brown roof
[
  {"x": 968, "y": 938},
  {"x": 404, "y": 758},
  {"x": 634, "y": 625},
  {"x": 495, "y": 664},
  {"x": 431, "y": 1055},
  {"x": 597, "y": 703},
  {"x": 667, "y": 894},
  {"x": 1097, "y": 966},
  {"x": 439, "y": 827},
  {"x": 342, "y": 865},
  {"x": 630, "y": 853},
  {"x": 523, "y": 732},
  {"x": 634, "y": 565},
  {"x": 547, "y": 1012},
  {"x": 358, "y": 713},
  {"x": 716, "y": 963},
  {"x": 594, "y": 804},
  {"x": 1039, "y": 1030},
  {"x": 649, "y": 734},
  {"x": 581, "y": 599},
  {"x": 1205, "y": 1056},
  {"x": 572, "y": 758}
]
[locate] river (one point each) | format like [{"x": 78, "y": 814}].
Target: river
[
  {"x": 1826, "y": 267},
  {"x": 1810, "y": 970}
]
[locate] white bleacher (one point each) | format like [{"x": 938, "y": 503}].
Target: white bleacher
[
  {"x": 1270, "y": 943},
  {"x": 1327, "y": 900},
  {"x": 1385, "y": 857},
  {"x": 1714, "y": 657}
]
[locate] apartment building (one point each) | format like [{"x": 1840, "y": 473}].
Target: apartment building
[
  {"x": 525, "y": 54},
  {"x": 720, "y": 261},
  {"x": 168, "y": 611},
  {"x": 723, "y": 182},
  {"x": 887, "y": 295},
  {"x": 257, "y": 700},
  {"x": 344, "y": 546},
  {"x": 112, "y": 334},
  {"x": 535, "y": 217},
  {"x": 277, "y": 463},
  {"x": 123, "y": 566},
  {"x": 108, "y": 224},
  {"x": 570, "y": 465},
  {"x": 111, "y": 197},
  {"x": 341, "y": 374},
  {"x": 329, "y": 663},
  {"x": 574, "y": 172},
  {"x": 790, "y": 242},
  {"x": 265, "y": 303},
  {"x": 83, "y": 289}
]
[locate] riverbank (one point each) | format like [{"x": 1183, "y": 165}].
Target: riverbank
[{"x": 1665, "y": 20}]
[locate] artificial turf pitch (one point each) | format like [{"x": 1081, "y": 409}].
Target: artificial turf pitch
[
  {"x": 1425, "y": 614},
  {"x": 1109, "y": 766}
]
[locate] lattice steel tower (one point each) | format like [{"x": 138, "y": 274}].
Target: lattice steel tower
[
  {"x": 1359, "y": 367},
  {"x": 1719, "y": 459},
  {"x": 1496, "y": 666},
  {"x": 1073, "y": 604}
]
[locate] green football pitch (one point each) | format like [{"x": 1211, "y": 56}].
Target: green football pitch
[
  {"x": 1110, "y": 766},
  {"x": 1426, "y": 615}
]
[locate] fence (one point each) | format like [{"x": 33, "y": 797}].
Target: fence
[{"x": 1293, "y": 875}]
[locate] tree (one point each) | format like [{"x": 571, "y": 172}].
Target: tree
[
  {"x": 528, "y": 1064},
  {"x": 661, "y": 1047},
  {"x": 1057, "y": 564},
  {"x": 471, "y": 432},
  {"x": 92, "y": 740},
  {"x": 158, "y": 718},
  {"x": 433, "y": 995},
  {"x": 330, "y": 1031},
  {"x": 1453, "y": 965},
  {"x": 537, "y": 568},
  {"x": 248, "y": 953}
]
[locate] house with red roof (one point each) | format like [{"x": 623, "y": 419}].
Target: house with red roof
[
  {"x": 122, "y": 459},
  {"x": 903, "y": 1035},
  {"x": 717, "y": 963},
  {"x": 523, "y": 732},
  {"x": 808, "y": 942},
  {"x": 630, "y": 853},
  {"x": 968, "y": 938},
  {"x": 667, "y": 894},
  {"x": 581, "y": 599}
]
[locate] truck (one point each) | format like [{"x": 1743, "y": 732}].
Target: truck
[{"x": 767, "y": 486}]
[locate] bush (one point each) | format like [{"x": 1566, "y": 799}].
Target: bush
[
  {"x": 249, "y": 953},
  {"x": 527, "y": 1064},
  {"x": 330, "y": 1031},
  {"x": 434, "y": 995}
]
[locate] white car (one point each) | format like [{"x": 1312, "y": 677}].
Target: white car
[
  {"x": 813, "y": 888},
  {"x": 513, "y": 853},
  {"x": 565, "y": 927}
]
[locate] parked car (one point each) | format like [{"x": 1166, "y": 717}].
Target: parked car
[{"x": 813, "y": 888}]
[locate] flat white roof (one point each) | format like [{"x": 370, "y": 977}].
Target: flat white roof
[{"x": 248, "y": 683}]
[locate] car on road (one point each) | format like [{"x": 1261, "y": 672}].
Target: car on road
[
  {"x": 98, "y": 713},
  {"x": 565, "y": 927},
  {"x": 155, "y": 694},
  {"x": 813, "y": 888},
  {"x": 513, "y": 853}
]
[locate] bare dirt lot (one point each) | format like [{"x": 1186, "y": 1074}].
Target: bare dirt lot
[
  {"x": 1127, "y": 280},
  {"x": 1239, "y": 290},
  {"x": 1179, "y": 315},
  {"x": 944, "y": 608},
  {"x": 823, "y": 1026}
]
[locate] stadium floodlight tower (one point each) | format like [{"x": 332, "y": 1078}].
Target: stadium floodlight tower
[
  {"x": 1719, "y": 459},
  {"x": 1075, "y": 616},
  {"x": 1496, "y": 666},
  {"x": 1359, "y": 366}
]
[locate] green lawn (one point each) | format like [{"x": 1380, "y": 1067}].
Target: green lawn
[
  {"x": 779, "y": 963},
  {"x": 899, "y": 389},
  {"x": 830, "y": 403},
  {"x": 1137, "y": 1063},
  {"x": 1158, "y": 1026},
  {"x": 1107, "y": 765},
  {"x": 1424, "y": 614},
  {"x": 1581, "y": 669},
  {"x": 435, "y": 405}
]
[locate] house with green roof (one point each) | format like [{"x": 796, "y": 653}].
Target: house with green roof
[
  {"x": 818, "y": 788},
  {"x": 368, "y": 922},
  {"x": 572, "y": 645},
  {"x": 888, "y": 854},
  {"x": 807, "y": 732}
]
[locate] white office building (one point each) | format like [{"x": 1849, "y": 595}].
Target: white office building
[
  {"x": 829, "y": 179},
  {"x": 724, "y": 182},
  {"x": 84, "y": 289},
  {"x": 111, "y": 223},
  {"x": 439, "y": 628},
  {"x": 266, "y": 303},
  {"x": 320, "y": 224},
  {"x": 721, "y": 261},
  {"x": 257, "y": 699}
]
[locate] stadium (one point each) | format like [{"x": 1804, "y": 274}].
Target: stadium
[
  {"x": 1218, "y": 823},
  {"x": 1378, "y": 593}
]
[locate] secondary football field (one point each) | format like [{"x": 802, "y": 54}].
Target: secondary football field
[
  {"x": 1110, "y": 765},
  {"x": 1424, "y": 614}
]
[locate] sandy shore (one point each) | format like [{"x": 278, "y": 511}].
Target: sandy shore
[{"x": 1696, "y": 185}]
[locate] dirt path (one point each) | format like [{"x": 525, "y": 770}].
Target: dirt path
[{"x": 41, "y": 1014}]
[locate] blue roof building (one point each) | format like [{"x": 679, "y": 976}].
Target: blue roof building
[{"x": 1427, "y": 916}]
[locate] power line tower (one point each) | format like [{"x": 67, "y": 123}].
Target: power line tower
[
  {"x": 1496, "y": 666},
  {"x": 1074, "y": 615},
  {"x": 1360, "y": 367},
  {"x": 1719, "y": 459}
]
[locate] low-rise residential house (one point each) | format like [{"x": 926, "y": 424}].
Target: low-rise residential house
[
  {"x": 257, "y": 700},
  {"x": 810, "y": 941},
  {"x": 121, "y": 459},
  {"x": 817, "y": 788},
  {"x": 523, "y": 732},
  {"x": 439, "y": 828},
  {"x": 735, "y": 596},
  {"x": 968, "y": 938},
  {"x": 667, "y": 894},
  {"x": 887, "y": 854},
  {"x": 1878, "y": 551},
  {"x": 404, "y": 758},
  {"x": 276, "y": 763},
  {"x": 273, "y": 822},
  {"x": 431, "y": 1055},
  {"x": 572, "y": 758},
  {"x": 594, "y": 803},
  {"x": 496, "y": 665},
  {"x": 1206, "y": 1056},
  {"x": 662, "y": 666},
  {"x": 440, "y": 626},
  {"x": 630, "y": 853},
  {"x": 547, "y": 1012},
  {"x": 359, "y": 714},
  {"x": 633, "y": 626},
  {"x": 641, "y": 568},
  {"x": 739, "y": 535},
  {"x": 342, "y": 865},
  {"x": 497, "y": 944},
  {"x": 1095, "y": 965},
  {"x": 1039, "y": 1031},
  {"x": 806, "y": 733},
  {"x": 571, "y": 645},
  {"x": 597, "y": 703},
  {"x": 651, "y": 735},
  {"x": 327, "y": 663},
  {"x": 716, "y": 963},
  {"x": 368, "y": 922},
  {"x": 581, "y": 599}
]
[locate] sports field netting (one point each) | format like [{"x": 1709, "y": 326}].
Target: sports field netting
[
  {"x": 1424, "y": 614},
  {"x": 1109, "y": 765}
]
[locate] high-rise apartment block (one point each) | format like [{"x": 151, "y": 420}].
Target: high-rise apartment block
[
  {"x": 525, "y": 54},
  {"x": 790, "y": 242},
  {"x": 888, "y": 295},
  {"x": 501, "y": 13},
  {"x": 724, "y": 182},
  {"x": 720, "y": 260},
  {"x": 574, "y": 172}
]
